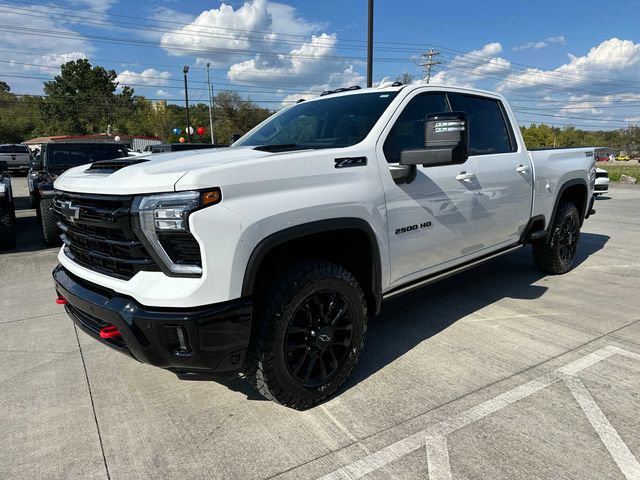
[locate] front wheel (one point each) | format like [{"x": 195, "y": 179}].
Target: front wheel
[
  {"x": 310, "y": 330},
  {"x": 556, "y": 253},
  {"x": 50, "y": 230},
  {"x": 7, "y": 228}
]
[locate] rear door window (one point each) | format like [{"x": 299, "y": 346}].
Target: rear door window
[
  {"x": 14, "y": 149},
  {"x": 489, "y": 132}
]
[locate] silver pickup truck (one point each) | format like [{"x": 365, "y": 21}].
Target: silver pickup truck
[{"x": 17, "y": 156}]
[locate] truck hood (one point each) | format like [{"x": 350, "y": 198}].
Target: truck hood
[{"x": 155, "y": 173}]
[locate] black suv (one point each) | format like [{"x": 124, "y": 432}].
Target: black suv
[{"x": 55, "y": 158}]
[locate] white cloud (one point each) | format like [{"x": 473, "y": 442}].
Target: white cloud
[
  {"x": 613, "y": 67},
  {"x": 346, "y": 78},
  {"x": 542, "y": 44},
  {"x": 162, "y": 93},
  {"x": 40, "y": 51},
  {"x": 315, "y": 60},
  {"x": 468, "y": 68},
  {"x": 38, "y": 44},
  {"x": 96, "y": 5},
  {"x": 149, "y": 77},
  {"x": 218, "y": 33},
  {"x": 264, "y": 43}
]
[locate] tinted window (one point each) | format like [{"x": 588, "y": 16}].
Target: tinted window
[
  {"x": 70, "y": 155},
  {"x": 328, "y": 122},
  {"x": 488, "y": 131},
  {"x": 408, "y": 131},
  {"x": 14, "y": 149}
]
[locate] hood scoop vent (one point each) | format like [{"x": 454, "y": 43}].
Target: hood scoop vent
[{"x": 110, "y": 166}]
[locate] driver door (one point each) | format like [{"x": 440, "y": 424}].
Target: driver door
[{"x": 430, "y": 218}]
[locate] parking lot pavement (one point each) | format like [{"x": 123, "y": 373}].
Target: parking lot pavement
[{"x": 500, "y": 372}]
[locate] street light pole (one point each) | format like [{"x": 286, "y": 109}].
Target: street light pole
[
  {"x": 185, "y": 70},
  {"x": 213, "y": 138},
  {"x": 370, "y": 47}
]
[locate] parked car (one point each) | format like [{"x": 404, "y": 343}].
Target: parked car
[
  {"x": 55, "y": 158},
  {"x": 602, "y": 182},
  {"x": 7, "y": 210},
  {"x": 267, "y": 257},
  {"x": 603, "y": 158},
  {"x": 17, "y": 156},
  {"x": 623, "y": 158}
]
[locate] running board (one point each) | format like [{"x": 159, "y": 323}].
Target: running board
[{"x": 447, "y": 273}]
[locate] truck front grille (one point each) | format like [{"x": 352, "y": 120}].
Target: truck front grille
[{"x": 97, "y": 234}]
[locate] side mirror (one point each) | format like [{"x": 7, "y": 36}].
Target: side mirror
[
  {"x": 235, "y": 137},
  {"x": 446, "y": 141},
  {"x": 4, "y": 166},
  {"x": 36, "y": 163},
  {"x": 403, "y": 173}
]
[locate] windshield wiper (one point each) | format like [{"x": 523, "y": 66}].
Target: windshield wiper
[{"x": 281, "y": 147}]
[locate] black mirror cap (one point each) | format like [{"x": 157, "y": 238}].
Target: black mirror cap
[
  {"x": 446, "y": 141},
  {"x": 4, "y": 166}
]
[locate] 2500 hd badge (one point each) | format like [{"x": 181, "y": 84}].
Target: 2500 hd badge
[{"x": 412, "y": 228}]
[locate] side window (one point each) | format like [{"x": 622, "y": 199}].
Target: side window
[
  {"x": 488, "y": 131},
  {"x": 408, "y": 131}
]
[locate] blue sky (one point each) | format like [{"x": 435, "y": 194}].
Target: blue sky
[{"x": 562, "y": 62}]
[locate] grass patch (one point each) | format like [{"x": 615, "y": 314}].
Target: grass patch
[{"x": 615, "y": 171}]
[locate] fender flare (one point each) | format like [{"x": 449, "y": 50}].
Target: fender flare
[
  {"x": 561, "y": 190},
  {"x": 274, "y": 240}
]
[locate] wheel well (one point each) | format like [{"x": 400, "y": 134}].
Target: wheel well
[
  {"x": 353, "y": 248},
  {"x": 576, "y": 194}
]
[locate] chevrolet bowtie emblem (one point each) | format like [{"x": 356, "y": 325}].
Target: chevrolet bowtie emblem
[{"x": 70, "y": 212}]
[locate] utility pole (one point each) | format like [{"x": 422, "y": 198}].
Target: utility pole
[
  {"x": 213, "y": 138},
  {"x": 429, "y": 62},
  {"x": 185, "y": 70},
  {"x": 370, "y": 47}
]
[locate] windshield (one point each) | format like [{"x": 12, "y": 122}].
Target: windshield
[
  {"x": 330, "y": 122},
  {"x": 14, "y": 149},
  {"x": 71, "y": 155}
]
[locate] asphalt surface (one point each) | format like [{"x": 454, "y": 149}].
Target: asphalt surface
[{"x": 500, "y": 372}]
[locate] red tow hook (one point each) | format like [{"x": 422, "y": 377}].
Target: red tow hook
[
  {"x": 109, "y": 332},
  {"x": 61, "y": 300}
]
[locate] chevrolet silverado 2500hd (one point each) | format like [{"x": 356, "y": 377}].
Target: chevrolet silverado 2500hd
[{"x": 267, "y": 257}]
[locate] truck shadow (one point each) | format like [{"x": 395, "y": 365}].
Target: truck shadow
[
  {"x": 410, "y": 319},
  {"x": 414, "y": 317}
]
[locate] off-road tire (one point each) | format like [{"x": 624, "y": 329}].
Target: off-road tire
[
  {"x": 7, "y": 228},
  {"x": 547, "y": 252},
  {"x": 268, "y": 367},
  {"x": 50, "y": 230}
]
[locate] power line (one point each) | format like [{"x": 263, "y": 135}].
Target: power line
[{"x": 429, "y": 62}]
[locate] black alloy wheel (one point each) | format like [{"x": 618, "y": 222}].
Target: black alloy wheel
[
  {"x": 567, "y": 238},
  {"x": 310, "y": 326},
  {"x": 318, "y": 338}
]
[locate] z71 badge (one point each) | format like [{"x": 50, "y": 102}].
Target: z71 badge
[{"x": 412, "y": 228}]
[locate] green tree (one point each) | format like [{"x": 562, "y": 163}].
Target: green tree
[
  {"x": 4, "y": 87},
  {"x": 82, "y": 99},
  {"x": 19, "y": 116}
]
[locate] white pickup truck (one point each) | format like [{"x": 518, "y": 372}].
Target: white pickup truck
[{"x": 266, "y": 258}]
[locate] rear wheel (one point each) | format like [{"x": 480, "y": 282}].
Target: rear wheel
[
  {"x": 50, "y": 230},
  {"x": 311, "y": 324},
  {"x": 556, "y": 253}
]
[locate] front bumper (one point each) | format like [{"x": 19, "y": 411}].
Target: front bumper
[{"x": 216, "y": 336}]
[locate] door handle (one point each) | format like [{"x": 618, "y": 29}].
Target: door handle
[
  {"x": 465, "y": 176},
  {"x": 522, "y": 169}
]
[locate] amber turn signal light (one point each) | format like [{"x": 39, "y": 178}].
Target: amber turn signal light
[{"x": 211, "y": 197}]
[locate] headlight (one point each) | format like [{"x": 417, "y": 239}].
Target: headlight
[{"x": 164, "y": 227}]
